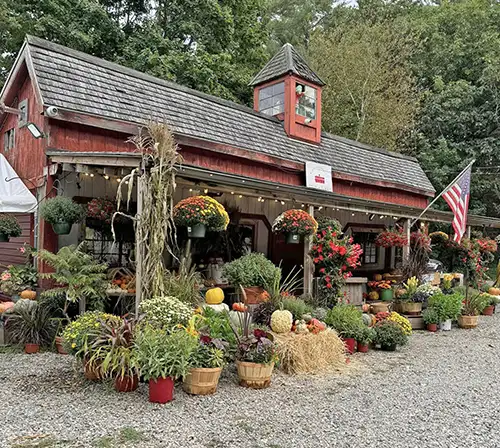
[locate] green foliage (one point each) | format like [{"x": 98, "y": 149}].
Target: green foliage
[
  {"x": 297, "y": 307},
  {"x": 431, "y": 315},
  {"x": 346, "y": 319},
  {"x": 365, "y": 335},
  {"x": 165, "y": 312},
  {"x": 207, "y": 356},
  {"x": 31, "y": 325},
  {"x": 253, "y": 269},
  {"x": 78, "y": 275},
  {"x": 447, "y": 306},
  {"x": 474, "y": 304},
  {"x": 389, "y": 333},
  {"x": 184, "y": 284},
  {"x": 218, "y": 326},
  {"x": 61, "y": 209},
  {"x": 162, "y": 354},
  {"x": 9, "y": 226}
]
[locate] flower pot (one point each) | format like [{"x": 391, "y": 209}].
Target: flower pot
[
  {"x": 362, "y": 348},
  {"x": 31, "y": 348},
  {"x": 59, "y": 346},
  {"x": 4, "y": 238},
  {"x": 489, "y": 310},
  {"x": 161, "y": 390},
  {"x": 432, "y": 328},
  {"x": 292, "y": 238},
  {"x": 445, "y": 326},
  {"x": 411, "y": 308},
  {"x": 468, "y": 321},
  {"x": 380, "y": 307},
  {"x": 62, "y": 228},
  {"x": 197, "y": 231},
  {"x": 202, "y": 381},
  {"x": 386, "y": 295},
  {"x": 255, "y": 376},
  {"x": 254, "y": 295},
  {"x": 350, "y": 345},
  {"x": 126, "y": 383},
  {"x": 92, "y": 372},
  {"x": 389, "y": 348}
]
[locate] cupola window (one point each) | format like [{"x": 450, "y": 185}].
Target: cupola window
[
  {"x": 305, "y": 101},
  {"x": 272, "y": 99}
]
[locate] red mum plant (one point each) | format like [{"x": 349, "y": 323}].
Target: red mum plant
[
  {"x": 101, "y": 209},
  {"x": 298, "y": 222},
  {"x": 201, "y": 210},
  {"x": 392, "y": 238}
]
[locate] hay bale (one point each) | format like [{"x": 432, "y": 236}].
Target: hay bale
[{"x": 310, "y": 353}]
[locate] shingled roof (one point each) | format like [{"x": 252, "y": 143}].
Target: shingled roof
[
  {"x": 78, "y": 82},
  {"x": 285, "y": 61}
]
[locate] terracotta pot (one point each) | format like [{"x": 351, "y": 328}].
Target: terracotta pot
[
  {"x": 31, "y": 348},
  {"x": 92, "y": 372},
  {"x": 255, "y": 376},
  {"x": 254, "y": 295},
  {"x": 411, "y": 308},
  {"x": 202, "y": 381},
  {"x": 468, "y": 322},
  {"x": 362, "y": 348},
  {"x": 350, "y": 345},
  {"x": 59, "y": 346},
  {"x": 126, "y": 383},
  {"x": 489, "y": 310},
  {"x": 432, "y": 327},
  {"x": 380, "y": 307},
  {"x": 161, "y": 390}
]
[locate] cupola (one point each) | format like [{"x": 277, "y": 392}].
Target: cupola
[{"x": 288, "y": 89}]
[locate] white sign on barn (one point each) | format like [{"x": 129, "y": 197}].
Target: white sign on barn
[{"x": 319, "y": 176}]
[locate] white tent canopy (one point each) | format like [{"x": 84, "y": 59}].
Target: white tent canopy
[{"x": 14, "y": 195}]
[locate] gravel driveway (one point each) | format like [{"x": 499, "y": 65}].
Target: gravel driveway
[{"x": 440, "y": 391}]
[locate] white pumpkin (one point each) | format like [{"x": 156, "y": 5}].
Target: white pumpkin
[
  {"x": 281, "y": 321},
  {"x": 237, "y": 318},
  {"x": 220, "y": 308}
]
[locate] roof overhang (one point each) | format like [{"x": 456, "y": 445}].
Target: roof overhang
[{"x": 224, "y": 182}]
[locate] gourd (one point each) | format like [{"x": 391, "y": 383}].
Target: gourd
[
  {"x": 281, "y": 321},
  {"x": 219, "y": 308},
  {"x": 367, "y": 319},
  {"x": 401, "y": 292},
  {"x": 494, "y": 291},
  {"x": 214, "y": 296},
  {"x": 315, "y": 326},
  {"x": 365, "y": 308},
  {"x": 237, "y": 318},
  {"x": 24, "y": 303},
  {"x": 301, "y": 326},
  {"x": 28, "y": 294},
  {"x": 377, "y": 277},
  {"x": 4, "y": 306},
  {"x": 374, "y": 295}
]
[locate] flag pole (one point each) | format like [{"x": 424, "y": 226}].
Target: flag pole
[{"x": 441, "y": 194}]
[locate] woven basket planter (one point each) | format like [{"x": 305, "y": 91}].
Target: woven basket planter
[
  {"x": 411, "y": 308},
  {"x": 468, "y": 321},
  {"x": 255, "y": 376},
  {"x": 202, "y": 381}
]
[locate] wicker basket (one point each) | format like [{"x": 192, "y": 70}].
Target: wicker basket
[
  {"x": 202, "y": 381},
  {"x": 468, "y": 321},
  {"x": 255, "y": 376},
  {"x": 411, "y": 308},
  {"x": 380, "y": 307}
]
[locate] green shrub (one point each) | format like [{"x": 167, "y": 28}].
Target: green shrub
[
  {"x": 61, "y": 209},
  {"x": 365, "y": 335},
  {"x": 431, "y": 316},
  {"x": 9, "y": 226},
  {"x": 448, "y": 306},
  {"x": 31, "y": 324},
  {"x": 346, "y": 319},
  {"x": 297, "y": 307},
  {"x": 253, "y": 269},
  {"x": 389, "y": 333}
]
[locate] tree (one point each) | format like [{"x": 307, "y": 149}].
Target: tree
[{"x": 370, "y": 94}]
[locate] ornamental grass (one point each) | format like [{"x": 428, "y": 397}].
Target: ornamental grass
[{"x": 310, "y": 353}]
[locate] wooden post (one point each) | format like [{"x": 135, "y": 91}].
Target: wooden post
[
  {"x": 308, "y": 264},
  {"x": 139, "y": 255},
  {"x": 468, "y": 231},
  {"x": 406, "y": 249}
]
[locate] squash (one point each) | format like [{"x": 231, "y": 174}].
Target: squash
[
  {"x": 214, "y": 296},
  {"x": 494, "y": 291},
  {"x": 365, "y": 308},
  {"x": 28, "y": 294},
  {"x": 219, "y": 308},
  {"x": 281, "y": 321},
  {"x": 377, "y": 277},
  {"x": 374, "y": 295},
  {"x": 315, "y": 326},
  {"x": 4, "y": 306},
  {"x": 301, "y": 326},
  {"x": 237, "y": 318},
  {"x": 367, "y": 319}
]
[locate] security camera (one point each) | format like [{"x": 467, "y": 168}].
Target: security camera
[{"x": 52, "y": 111}]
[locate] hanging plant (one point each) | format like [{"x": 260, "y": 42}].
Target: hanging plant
[
  {"x": 9, "y": 227},
  {"x": 420, "y": 240},
  {"x": 392, "y": 238},
  {"x": 101, "y": 210},
  {"x": 295, "y": 223}
]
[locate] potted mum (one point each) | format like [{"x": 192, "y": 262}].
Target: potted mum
[
  {"x": 206, "y": 365},
  {"x": 473, "y": 305},
  {"x": 253, "y": 272},
  {"x": 364, "y": 338},
  {"x": 9, "y": 228},
  {"x": 162, "y": 357},
  {"x": 347, "y": 320},
  {"x": 61, "y": 212},
  {"x": 165, "y": 312},
  {"x": 295, "y": 224},
  {"x": 448, "y": 307},
  {"x": 389, "y": 335},
  {"x": 199, "y": 214},
  {"x": 431, "y": 319}
]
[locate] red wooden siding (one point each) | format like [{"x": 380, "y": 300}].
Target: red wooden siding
[
  {"x": 27, "y": 157},
  {"x": 9, "y": 252}
]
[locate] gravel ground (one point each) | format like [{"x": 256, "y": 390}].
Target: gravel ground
[{"x": 440, "y": 391}]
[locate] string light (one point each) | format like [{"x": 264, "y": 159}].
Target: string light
[
  {"x": 240, "y": 196},
  {"x": 205, "y": 190},
  {"x": 352, "y": 214},
  {"x": 282, "y": 202},
  {"x": 381, "y": 216},
  {"x": 118, "y": 180},
  {"x": 86, "y": 174},
  {"x": 106, "y": 177},
  {"x": 302, "y": 205},
  {"x": 232, "y": 192},
  {"x": 190, "y": 190}
]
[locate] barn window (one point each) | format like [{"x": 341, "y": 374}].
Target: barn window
[
  {"x": 306, "y": 101},
  {"x": 23, "y": 116},
  {"x": 9, "y": 139},
  {"x": 272, "y": 99}
]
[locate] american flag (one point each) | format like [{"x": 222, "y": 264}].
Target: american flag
[{"x": 457, "y": 196}]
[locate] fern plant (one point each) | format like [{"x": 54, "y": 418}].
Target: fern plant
[{"x": 76, "y": 276}]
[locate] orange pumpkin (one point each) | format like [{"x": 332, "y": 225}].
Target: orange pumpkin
[
  {"x": 494, "y": 291},
  {"x": 4, "y": 306},
  {"x": 377, "y": 277},
  {"x": 28, "y": 294}
]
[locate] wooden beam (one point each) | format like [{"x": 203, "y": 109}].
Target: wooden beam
[
  {"x": 406, "y": 249},
  {"x": 308, "y": 264},
  {"x": 96, "y": 160},
  {"x": 139, "y": 250}
]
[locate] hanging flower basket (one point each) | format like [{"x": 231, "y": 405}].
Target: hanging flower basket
[
  {"x": 9, "y": 227},
  {"x": 199, "y": 214},
  {"x": 391, "y": 238},
  {"x": 295, "y": 224},
  {"x": 100, "y": 213}
]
